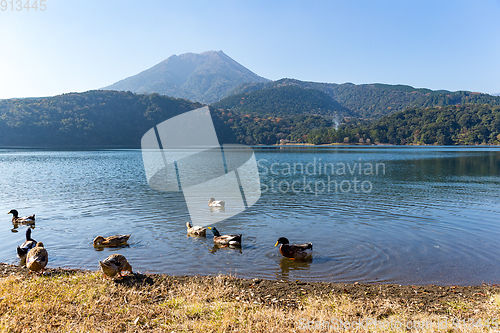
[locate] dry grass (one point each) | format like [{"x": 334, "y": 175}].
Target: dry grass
[{"x": 84, "y": 302}]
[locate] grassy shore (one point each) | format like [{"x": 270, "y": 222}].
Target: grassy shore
[{"x": 66, "y": 300}]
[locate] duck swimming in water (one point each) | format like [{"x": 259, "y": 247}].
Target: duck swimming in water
[
  {"x": 225, "y": 240},
  {"x": 295, "y": 251},
  {"x": 111, "y": 241},
  {"x": 216, "y": 203},
  {"x": 30, "y": 243},
  {"x": 24, "y": 219},
  {"x": 195, "y": 231}
]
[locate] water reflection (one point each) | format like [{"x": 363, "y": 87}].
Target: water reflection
[
  {"x": 16, "y": 226},
  {"x": 221, "y": 209},
  {"x": 114, "y": 248},
  {"x": 287, "y": 265},
  {"x": 216, "y": 248}
]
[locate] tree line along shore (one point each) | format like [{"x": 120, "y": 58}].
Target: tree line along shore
[{"x": 120, "y": 119}]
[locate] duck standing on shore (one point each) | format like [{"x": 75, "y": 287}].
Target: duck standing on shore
[
  {"x": 30, "y": 243},
  {"x": 115, "y": 264},
  {"x": 225, "y": 240},
  {"x": 23, "y": 220},
  {"x": 195, "y": 231},
  {"x": 37, "y": 258},
  {"x": 295, "y": 251}
]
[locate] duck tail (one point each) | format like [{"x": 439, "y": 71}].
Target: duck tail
[{"x": 311, "y": 246}]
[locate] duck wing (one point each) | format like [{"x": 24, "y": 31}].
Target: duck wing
[
  {"x": 23, "y": 250},
  {"x": 296, "y": 251},
  {"x": 118, "y": 239},
  {"x": 25, "y": 219},
  {"x": 228, "y": 239},
  {"x": 37, "y": 259}
]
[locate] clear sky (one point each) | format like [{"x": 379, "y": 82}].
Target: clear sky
[{"x": 80, "y": 45}]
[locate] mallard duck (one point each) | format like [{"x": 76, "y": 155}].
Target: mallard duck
[
  {"x": 234, "y": 240},
  {"x": 115, "y": 264},
  {"x": 17, "y": 219},
  {"x": 296, "y": 251},
  {"x": 37, "y": 258},
  {"x": 216, "y": 203},
  {"x": 196, "y": 231},
  {"x": 30, "y": 243},
  {"x": 111, "y": 241}
]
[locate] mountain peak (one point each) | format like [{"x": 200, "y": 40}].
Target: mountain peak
[{"x": 203, "y": 77}]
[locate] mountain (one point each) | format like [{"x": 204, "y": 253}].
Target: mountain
[
  {"x": 374, "y": 101},
  {"x": 284, "y": 101},
  {"x": 206, "y": 77}
]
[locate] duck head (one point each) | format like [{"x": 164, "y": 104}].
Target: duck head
[
  {"x": 214, "y": 231},
  {"x": 98, "y": 240},
  {"x": 282, "y": 240},
  {"x": 14, "y": 212}
]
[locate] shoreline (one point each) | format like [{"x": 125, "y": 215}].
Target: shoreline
[
  {"x": 296, "y": 288},
  {"x": 81, "y": 300}
]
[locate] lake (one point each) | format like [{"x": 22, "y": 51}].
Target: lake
[{"x": 407, "y": 215}]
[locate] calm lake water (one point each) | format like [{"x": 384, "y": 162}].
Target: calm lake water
[{"x": 408, "y": 215}]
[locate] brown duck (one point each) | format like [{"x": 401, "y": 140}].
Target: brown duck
[
  {"x": 111, "y": 241},
  {"x": 37, "y": 258},
  {"x": 115, "y": 264}
]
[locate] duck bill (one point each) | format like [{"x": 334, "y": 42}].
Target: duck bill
[{"x": 276, "y": 244}]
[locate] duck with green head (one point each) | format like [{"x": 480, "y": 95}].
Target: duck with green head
[
  {"x": 24, "y": 219},
  {"x": 294, "y": 251},
  {"x": 30, "y": 243}
]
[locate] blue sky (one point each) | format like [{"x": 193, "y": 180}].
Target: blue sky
[{"x": 80, "y": 45}]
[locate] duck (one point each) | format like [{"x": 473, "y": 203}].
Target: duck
[
  {"x": 17, "y": 219},
  {"x": 30, "y": 243},
  {"x": 234, "y": 240},
  {"x": 37, "y": 258},
  {"x": 195, "y": 231},
  {"x": 295, "y": 251},
  {"x": 111, "y": 241},
  {"x": 216, "y": 203},
  {"x": 115, "y": 264}
]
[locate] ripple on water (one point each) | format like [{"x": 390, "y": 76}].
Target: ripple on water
[{"x": 428, "y": 219}]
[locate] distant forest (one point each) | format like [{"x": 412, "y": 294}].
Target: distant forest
[
  {"x": 467, "y": 124},
  {"x": 112, "y": 118},
  {"x": 93, "y": 118},
  {"x": 366, "y": 101}
]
